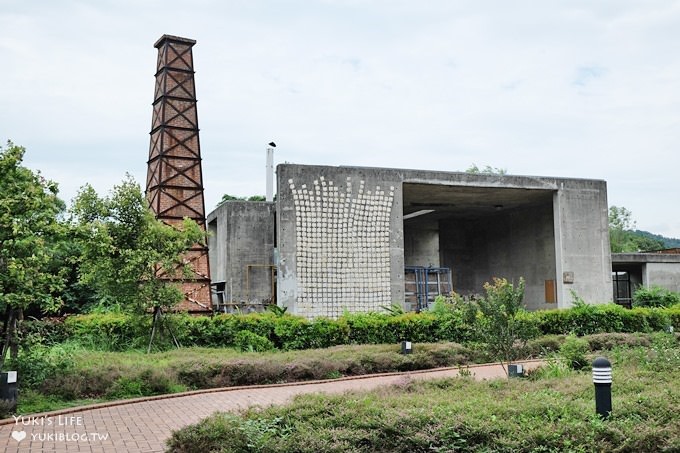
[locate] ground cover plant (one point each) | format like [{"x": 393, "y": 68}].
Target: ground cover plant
[
  {"x": 59, "y": 375},
  {"x": 67, "y": 374},
  {"x": 549, "y": 412}
]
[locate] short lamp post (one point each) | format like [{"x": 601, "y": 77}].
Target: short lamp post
[
  {"x": 406, "y": 347},
  {"x": 602, "y": 378},
  {"x": 8, "y": 389},
  {"x": 515, "y": 370}
]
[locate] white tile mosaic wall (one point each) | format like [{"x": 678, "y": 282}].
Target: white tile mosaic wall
[{"x": 343, "y": 247}]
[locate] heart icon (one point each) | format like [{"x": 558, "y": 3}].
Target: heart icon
[{"x": 19, "y": 435}]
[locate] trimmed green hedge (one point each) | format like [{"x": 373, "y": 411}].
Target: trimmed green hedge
[
  {"x": 589, "y": 319},
  {"x": 119, "y": 332}
]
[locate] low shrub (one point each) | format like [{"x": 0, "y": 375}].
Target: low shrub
[
  {"x": 262, "y": 324},
  {"x": 326, "y": 332},
  {"x": 608, "y": 341},
  {"x": 335, "y": 362},
  {"x": 655, "y": 296},
  {"x": 544, "y": 345},
  {"x": 248, "y": 436},
  {"x": 65, "y": 373},
  {"x": 553, "y": 368},
  {"x": 590, "y": 319},
  {"x": 248, "y": 341},
  {"x": 292, "y": 332},
  {"x": 644, "y": 320},
  {"x": 414, "y": 327},
  {"x": 38, "y": 364},
  {"x": 446, "y": 322},
  {"x": 82, "y": 383},
  {"x": 673, "y": 314},
  {"x": 369, "y": 328},
  {"x": 145, "y": 383},
  {"x": 6, "y": 408},
  {"x": 109, "y": 331},
  {"x": 453, "y": 327},
  {"x": 550, "y": 344},
  {"x": 574, "y": 351},
  {"x": 47, "y": 331}
]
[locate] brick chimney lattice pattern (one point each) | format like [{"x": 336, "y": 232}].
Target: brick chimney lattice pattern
[{"x": 174, "y": 183}]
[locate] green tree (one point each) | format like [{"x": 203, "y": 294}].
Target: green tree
[
  {"x": 663, "y": 240},
  {"x": 227, "y": 197},
  {"x": 647, "y": 244},
  {"x": 488, "y": 170},
  {"x": 127, "y": 254},
  {"x": 76, "y": 297},
  {"x": 499, "y": 326},
  {"x": 622, "y": 238},
  {"x": 29, "y": 234},
  {"x": 620, "y": 224}
]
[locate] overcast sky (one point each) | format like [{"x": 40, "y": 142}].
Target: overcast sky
[{"x": 586, "y": 89}]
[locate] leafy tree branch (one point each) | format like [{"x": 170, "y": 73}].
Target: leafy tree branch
[{"x": 29, "y": 234}]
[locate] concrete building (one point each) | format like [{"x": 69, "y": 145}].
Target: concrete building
[
  {"x": 630, "y": 270},
  {"x": 358, "y": 239},
  {"x": 241, "y": 252}
]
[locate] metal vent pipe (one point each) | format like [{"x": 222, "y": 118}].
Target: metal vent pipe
[{"x": 270, "y": 172}]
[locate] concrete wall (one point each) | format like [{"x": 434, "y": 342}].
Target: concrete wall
[
  {"x": 241, "y": 249},
  {"x": 582, "y": 241},
  {"x": 521, "y": 243},
  {"x": 421, "y": 243},
  {"x": 340, "y": 240},
  {"x": 458, "y": 251},
  {"x": 666, "y": 275},
  {"x": 510, "y": 244}
]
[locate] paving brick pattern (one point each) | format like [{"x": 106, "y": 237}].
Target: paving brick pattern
[{"x": 144, "y": 426}]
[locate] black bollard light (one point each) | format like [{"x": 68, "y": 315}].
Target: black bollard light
[
  {"x": 602, "y": 378},
  {"x": 515, "y": 370},
  {"x": 406, "y": 347},
  {"x": 8, "y": 389}
]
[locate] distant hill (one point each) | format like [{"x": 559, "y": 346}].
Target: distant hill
[{"x": 668, "y": 243}]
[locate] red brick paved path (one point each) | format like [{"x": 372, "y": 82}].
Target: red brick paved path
[{"x": 143, "y": 425}]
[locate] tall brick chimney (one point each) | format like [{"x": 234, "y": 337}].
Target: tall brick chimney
[{"x": 174, "y": 182}]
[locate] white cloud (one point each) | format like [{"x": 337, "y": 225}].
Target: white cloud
[{"x": 561, "y": 88}]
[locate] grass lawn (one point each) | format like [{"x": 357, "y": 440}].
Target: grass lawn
[
  {"x": 68, "y": 374},
  {"x": 551, "y": 411}
]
